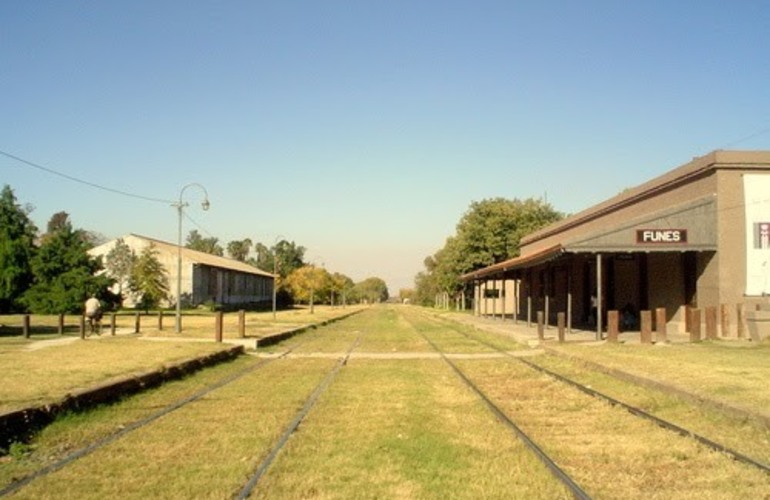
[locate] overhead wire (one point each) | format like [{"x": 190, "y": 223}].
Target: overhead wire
[{"x": 81, "y": 181}]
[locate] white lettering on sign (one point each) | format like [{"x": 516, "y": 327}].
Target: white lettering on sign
[{"x": 661, "y": 235}]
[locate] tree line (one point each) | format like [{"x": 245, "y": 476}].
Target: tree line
[
  {"x": 52, "y": 272},
  {"x": 490, "y": 231}
]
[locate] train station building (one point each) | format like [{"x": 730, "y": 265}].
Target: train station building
[{"x": 694, "y": 237}]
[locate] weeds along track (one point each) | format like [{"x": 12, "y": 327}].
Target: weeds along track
[
  {"x": 103, "y": 441},
  {"x": 296, "y": 421},
  {"x": 594, "y": 442},
  {"x": 557, "y": 472},
  {"x": 709, "y": 443}
]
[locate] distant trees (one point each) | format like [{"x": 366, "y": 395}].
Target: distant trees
[
  {"x": 209, "y": 245},
  {"x": 239, "y": 249},
  {"x": 148, "y": 279},
  {"x": 371, "y": 290},
  {"x": 119, "y": 263},
  {"x": 490, "y": 231},
  {"x": 17, "y": 247}
]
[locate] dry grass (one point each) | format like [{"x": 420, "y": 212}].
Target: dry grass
[
  {"x": 204, "y": 450},
  {"x": 720, "y": 370},
  {"x": 749, "y": 437},
  {"x": 414, "y": 432},
  {"x": 609, "y": 452},
  {"x": 74, "y": 431},
  {"x": 41, "y": 376}
]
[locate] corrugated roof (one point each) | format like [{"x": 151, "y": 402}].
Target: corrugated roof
[{"x": 206, "y": 258}]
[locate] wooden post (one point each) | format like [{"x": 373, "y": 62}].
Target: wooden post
[
  {"x": 645, "y": 333},
  {"x": 660, "y": 324},
  {"x": 112, "y": 324},
  {"x": 540, "y": 334},
  {"x": 25, "y": 326},
  {"x": 160, "y": 320},
  {"x": 695, "y": 325},
  {"x": 503, "y": 295},
  {"x": 569, "y": 302},
  {"x": 218, "y": 326},
  {"x": 61, "y": 324},
  {"x": 82, "y": 326},
  {"x": 547, "y": 309},
  {"x": 241, "y": 323},
  {"x": 740, "y": 319},
  {"x": 137, "y": 323},
  {"x": 560, "y": 321},
  {"x": 725, "y": 317},
  {"x": 613, "y": 325},
  {"x": 711, "y": 323}
]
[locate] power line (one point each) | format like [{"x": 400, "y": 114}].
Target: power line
[{"x": 81, "y": 181}]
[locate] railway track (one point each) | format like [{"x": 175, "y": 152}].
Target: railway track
[
  {"x": 638, "y": 412},
  {"x": 573, "y": 487},
  {"x": 250, "y": 485}
]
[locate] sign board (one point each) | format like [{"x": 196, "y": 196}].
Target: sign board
[{"x": 661, "y": 236}]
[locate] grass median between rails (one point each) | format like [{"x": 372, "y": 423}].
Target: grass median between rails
[
  {"x": 746, "y": 436},
  {"x": 34, "y": 377},
  {"x": 724, "y": 371},
  {"x": 608, "y": 451},
  {"x": 404, "y": 429}
]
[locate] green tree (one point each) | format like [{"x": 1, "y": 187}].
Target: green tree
[
  {"x": 148, "y": 279},
  {"x": 119, "y": 262},
  {"x": 17, "y": 236},
  {"x": 489, "y": 232},
  {"x": 289, "y": 257},
  {"x": 64, "y": 273},
  {"x": 372, "y": 290},
  {"x": 209, "y": 245},
  {"x": 239, "y": 249},
  {"x": 340, "y": 288}
]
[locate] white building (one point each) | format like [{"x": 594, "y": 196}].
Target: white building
[{"x": 205, "y": 277}]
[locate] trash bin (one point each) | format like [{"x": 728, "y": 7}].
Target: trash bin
[{"x": 758, "y": 323}]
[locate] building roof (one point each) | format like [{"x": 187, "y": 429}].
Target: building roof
[
  {"x": 205, "y": 258},
  {"x": 696, "y": 168}
]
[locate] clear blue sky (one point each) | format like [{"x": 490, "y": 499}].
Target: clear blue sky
[{"x": 364, "y": 129}]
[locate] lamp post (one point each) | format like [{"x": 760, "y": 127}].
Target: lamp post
[
  {"x": 275, "y": 270},
  {"x": 179, "y": 205}
]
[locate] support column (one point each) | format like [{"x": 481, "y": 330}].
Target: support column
[
  {"x": 503, "y": 295},
  {"x": 598, "y": 296}
]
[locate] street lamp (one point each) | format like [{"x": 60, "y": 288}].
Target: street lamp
[
  {"x": 275, "y": 269},
  {"x": 179, "y": 205}
]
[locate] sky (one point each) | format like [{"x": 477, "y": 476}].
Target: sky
[{"x": 363, "y": 130}]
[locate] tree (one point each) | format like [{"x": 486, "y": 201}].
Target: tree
[
  {"x": 289, "y": 255},
  {"x": 239, "y": 249},
  {"x": 17, "y": 235},
  {"x": 119, "y": 262},
  {"x": 308, "y": 283},
  {"x": 489, "y": 232},
  {"x": 340, "y": 287},
  {"x": 209, "y": 245},
  {"x": 64, "y": 273},
  {"x": 148, "y": 279},
  {"x": 372, "y": 290}
]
